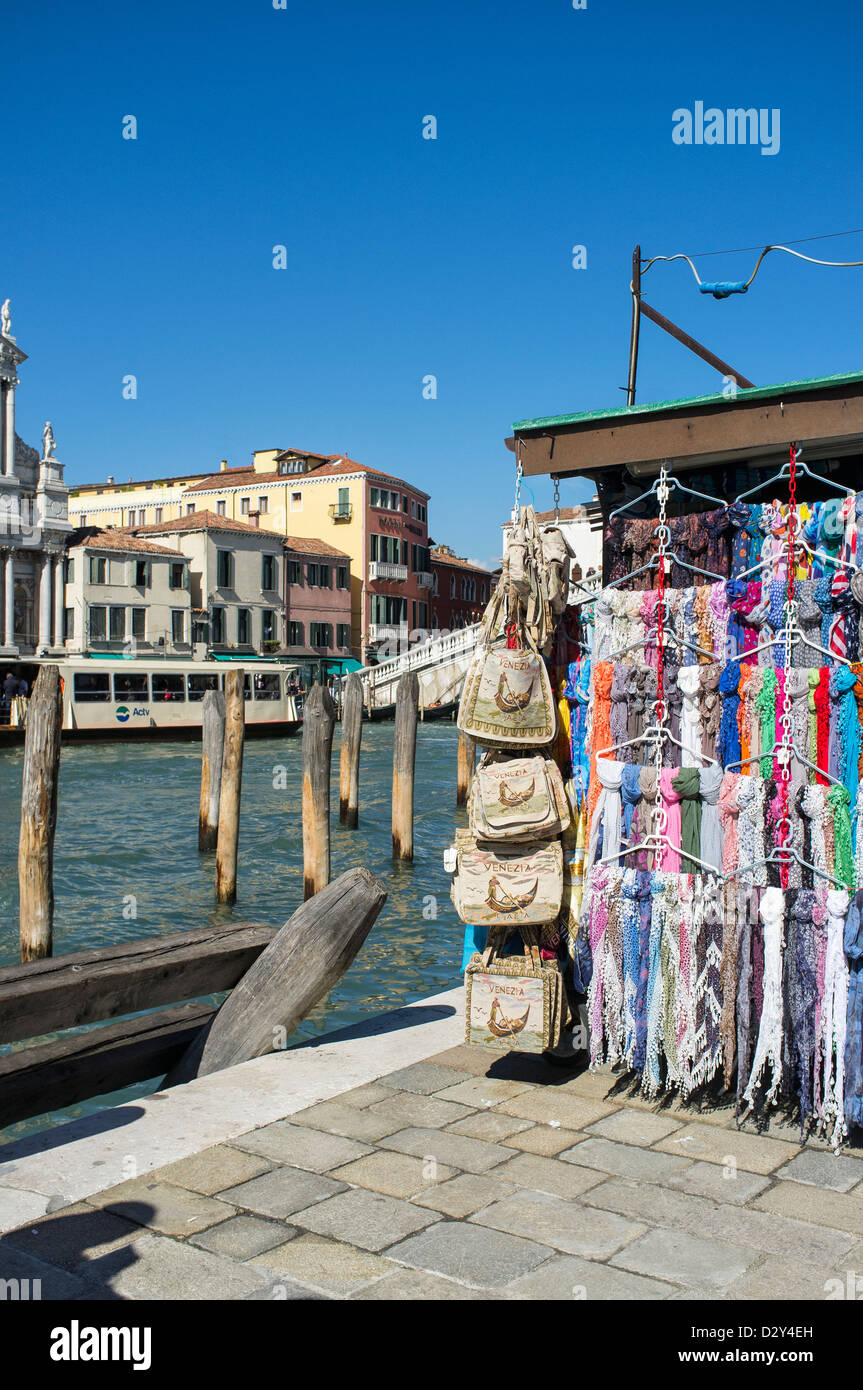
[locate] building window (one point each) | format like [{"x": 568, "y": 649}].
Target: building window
[
  {"x": 404, "y": 505},
  {"x": 98, "y": 569},
  {"x": 139, "y": 624},
  {"x": 244, "y": 506},
  {"x": 244, "y": 627},
  {"x": 157, "y": 515},
  {"x": 199, "y": 634},
  {"x": 318, "y": 576},
  {"x": 295, "y": 634},
  {"x": 190, "y": 509},
  {"x": 343, "y": 635},
  {"x": 220, "y": 507},
  {"x": 98, "y": 619},
  {"x": 70, "y": 571},
  {"x": 295, "y": 572},
  {"x": 343, "y": 506},
  {"x": 423, "y": 611},
  {"x": 268, "y": 625},
  {"x": 117, "y": 628},
  {"x": 434, "y": 583},
  {"x": 296, "y": 501},
  {"x": 142, "y": 574},
  {"x": 320, "y": 634},
  {"x": 82, "y": 519},
  {"x": 421, "y": 511},
  {"x": 392, "y": 612},
  {"x": 218, "y": 626},
  {"x": 452, "y": 586},
  {"x": 263, "y": 504},
  {"x": 225, "y": 569},
  {"x": 268, "y": 573},
  {"x": 178, "y": 626},
  {"x": 69, "y": 630},
  {"x": 341, "y": 577},
  {"x": 178, "y": 576}
]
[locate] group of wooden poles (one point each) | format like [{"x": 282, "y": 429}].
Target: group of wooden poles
[{"x": 222, "y": 740}]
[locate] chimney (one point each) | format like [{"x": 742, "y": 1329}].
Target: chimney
[
  {"x": 223, "y": 466},
  {"x": 111, "y": 479}
]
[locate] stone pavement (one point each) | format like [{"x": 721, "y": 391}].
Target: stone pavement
[{"x": 469, "y": 1176}]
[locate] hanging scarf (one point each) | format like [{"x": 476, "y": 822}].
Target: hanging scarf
[
  {"x": 728, "y": 815},
  {"x": 720, "y": 615},
  {"x": 750, "y": 829},
  {"x": 821, "y": 703},
  {"x": 809, "y": 620},
  {"x": 689, "y": 681},
  {"x": 801, "y": 1000},
  {"x": 710, "y": 782},
  {"x": 606, "y": 814},
  {"x": 843, "y": 683},
  {"x": 618, "y": 716},
  {"x": 708, "y": 928},
  {"x": 750, "y": 729},
  {"x": 646, "y": 815},
  {"x": 603, "y": 674},
  {"x": 853, "y": 942},
  {"x": 687, "y": 785},
  {"x": 643, "y": 693},
  {"x": 839, "y": 810},
  {"x": 768, "y": 1048},
  {"x": 765, "y": 704},
  {"x": 728, "y": 979},
  {"x": 747, "y": 1016},
  {"x": 630, "y": 796},
  {"x": 673, "y": 708},
  {"x": 716, "y": 526},
  {"x": 729, "y": 734},
  {"x": 594, "y": 913},
  {"x": 834, "y": 1018},
  {"x": 710, "y": 708},
  {"x": 670, "y": 860},
  {"x": 651, "y": 1078}
]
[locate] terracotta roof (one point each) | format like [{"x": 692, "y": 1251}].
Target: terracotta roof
[
  {"x": 93, "y": 539},
  {"x": 340, "y": 464},
  {"x": 118, "y": 484},
  {"x": 439, "y": 559},
  {"x": 230, "y": 477},
  {"x": 585, "y": 511},
  {"x": 335, "y": 465},
  {"x": 310, "y": 546},
  {"x": 201, "y": 521}
]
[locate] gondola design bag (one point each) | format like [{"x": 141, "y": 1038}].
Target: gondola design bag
[
  {"x": 506, "y": 886},
  {"x": 514, "y": 1002},
  {"x": 515, "y": 798}
]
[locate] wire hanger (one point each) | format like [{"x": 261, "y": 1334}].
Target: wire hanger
[
  {"x": 797, "y": 635},
  {"x": 799, "y": 540},
  {"x": 785, "y": 472},
  {"x": 652, "y": 491},
  {"x": 774, "y": 752},
  {"x": 776, "y": 856}
]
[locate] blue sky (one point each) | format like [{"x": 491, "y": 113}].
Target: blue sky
[{"x": 407, "y": 257}]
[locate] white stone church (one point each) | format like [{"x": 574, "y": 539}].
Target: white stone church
[{"x": 34, "y": 524}]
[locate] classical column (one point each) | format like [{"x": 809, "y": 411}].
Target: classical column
[
  {"x": 59, "y": 600},
  {"x": 9, "y": 431},
  {"x": 9, "y": 599},
  {"x": 45, "y": 603}
]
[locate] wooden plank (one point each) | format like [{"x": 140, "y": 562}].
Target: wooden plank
[
  {"x": 39, "y": 816},
  {"x": 404, "y": 759},
  {"x": 230, "y": 792},
  {"x": 212, "y": 753},
  {"x": 307, "y": 958},
  {"x": 319, "y": 718},
  {"x": 466, "y": 764},
  {"x": 349, "y": 762},
  {"x": 88, "y": 986},
  {"x": 35, "y": 1080}
]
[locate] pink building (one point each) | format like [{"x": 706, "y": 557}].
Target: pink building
[{"x": 318, "y": 606}]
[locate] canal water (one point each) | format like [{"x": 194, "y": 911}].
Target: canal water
[{"x": 127, "y": 864}]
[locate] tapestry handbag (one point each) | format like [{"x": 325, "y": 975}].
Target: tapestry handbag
[
  {"x": 555, "y": 568},
  {"x": 506, "y": 698},
  {"x": 514, "y": 1001},
  {"x": 514, "y": 798},
  {"x": 506, "y": 886}
]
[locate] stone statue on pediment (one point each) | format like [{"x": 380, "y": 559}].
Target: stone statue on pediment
[
  {"x": 48, "y": 442},
  {"x": 6, "y": 319}
]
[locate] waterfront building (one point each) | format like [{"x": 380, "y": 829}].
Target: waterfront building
[
  {"x": 125, "y": 593},
  {"x": 144, "y": 503},
  {"x": 318, "y": 608},
  {"x": 34, "y": 523},
  {"x": 236, "y": 581},
  {"x": 461, "y": 590}
]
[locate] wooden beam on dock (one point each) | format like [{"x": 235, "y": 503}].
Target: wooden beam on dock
[
  {"x": 212, "y": 753},
  {"x": 229, "y": 796},
  {"x": 95, "y": 1063},
  {"x": 349, "y": 762},
  {"x": 88, "y": 986},
  {"x": 39, "y": 816},
  {"x": 404, "y": 759},
  {"x": 307, "y": 958},
  {"x": 465, "y": 768},
  {"x": 319, "y": 717}
]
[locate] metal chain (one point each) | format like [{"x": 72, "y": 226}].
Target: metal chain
[
  {"x": 663, "y": 536},
  {"x": 556, "y": 499},
  {"x": 519, "y": 474},
  {"x": 783, "y": 750}
]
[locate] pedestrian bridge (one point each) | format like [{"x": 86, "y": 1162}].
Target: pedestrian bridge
[{"x": 440, "y": 664}]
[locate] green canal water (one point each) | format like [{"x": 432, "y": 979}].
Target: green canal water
[{"x": 127, "y": 865}]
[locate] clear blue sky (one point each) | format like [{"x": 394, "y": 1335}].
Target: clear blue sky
[{"x": 406, "y": 256}]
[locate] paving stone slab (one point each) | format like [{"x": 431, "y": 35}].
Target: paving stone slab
[
  {"x": 242, "y": 1237},
  {"x": 326, "y": 1264},
  {"x": 823, "y": 1206},
  {"x": 596, "y": 1085},
  {"x": 753, "y": 1152},
  {"x": 777, "y": 1279},
  {"x": 476, "y": 1061},
  {"x": 570, "y": 1278},
  {"x": 282, "y": 1192},
  {"x": 490, "y": 1125},
  {"x": 162, "y": 1207},
  {"x": 395, "y": 1174},
  {"x": 824, "y": 1169},
  {"x": 476, "y": 1255},
  {"x": 361, "y": 1096},
  {"x": 17, "y": 1206},
  {"x": 405, "y": 1108},
  {"x": 156, "y": 1267},
  {"x": 625, "y": 1160},
  {"x": 465, "y": 1194},
  {"x": 302, "y": 1147},
  {"x": 453, "y": 1150},
  {"x": 541, "y": 1174},
  {"x": 629, "y": 1126},
  {"x": 283, "y": 1290},
  {"x": 543, "y": 1140},
  {"x": 673, "y": 1108},
  {"x": 349, "y": 1121},
  {"x": 545, "y": 1105},
  {"x": 482, "y": 1092},
  {"x": 212, "y": 1170},
  {"x": 416, "y": 1284},
  {"x": 681, "y": 1258},
  {"x": 44, "y": 1282},
  {"x": 70, "y": 1237},
  {"x": 425, "y": 1078},
  {"x": 564, "y": 1225},
  {"x": 367, "y": 1219},
  {"x": 734, "y": 1186}
]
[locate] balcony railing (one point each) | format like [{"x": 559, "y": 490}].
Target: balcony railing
[
  {"x": 424, "y": 579},
  {"x": 388, "y": 632},
  {"x": 382, "y": 569},
  {"x": 341, "y": 511}
]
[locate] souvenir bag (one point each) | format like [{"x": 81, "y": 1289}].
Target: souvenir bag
[
  {"x": 514, "y": 798},
  {"x": 506, "y": 886},
  {"x": 556, "y": 558},
  {"x": 517, "y": 1002}
]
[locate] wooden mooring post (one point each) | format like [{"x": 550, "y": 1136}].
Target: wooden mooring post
[
  {"x": 349, "y": 761},
  {"x": 212, "y": 753},
  {"x": 465, "y": 768},
  {"x": 319, "y": 717},
  {"x": 232, "y": 781},
  {"x": 404, "y": 758},
  {"x": 39, "y": 816}
]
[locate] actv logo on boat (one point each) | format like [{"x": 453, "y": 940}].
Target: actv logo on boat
[{"x": 735, "y": 126}]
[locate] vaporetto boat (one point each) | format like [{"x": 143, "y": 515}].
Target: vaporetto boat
[{"x": 104, "y": 698}]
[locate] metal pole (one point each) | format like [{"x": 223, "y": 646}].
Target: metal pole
[{"x": 636, "y": 324}]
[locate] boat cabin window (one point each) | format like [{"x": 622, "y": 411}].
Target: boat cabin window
[
  {"x": 131, "y": 685},
  {"x": 169, "y": 685},
  {"x": 91, "y": 685},
  {"x": 199, "y": 685},
  {"x": 267, "y": 686}
]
